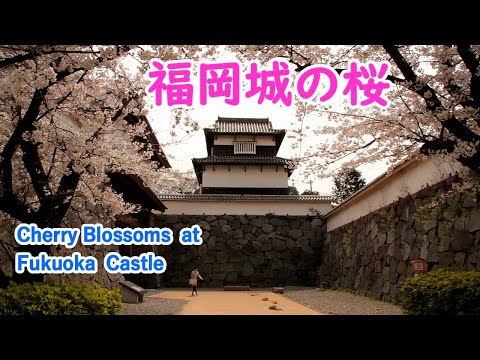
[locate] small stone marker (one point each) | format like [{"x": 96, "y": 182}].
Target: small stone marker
[
  {"x": 419, "y": 266},
  {"x": 277, "y": 290},
  {"x": 131, "y": 293}
]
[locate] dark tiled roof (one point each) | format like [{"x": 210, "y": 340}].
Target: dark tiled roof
[
  {"x": 243, "y": 126},
  {"x": 248, "y": 159},
  {"x": 135, "y": 190},
  {"x": 227, "y": 197}
]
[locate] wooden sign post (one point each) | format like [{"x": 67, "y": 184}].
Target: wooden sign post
[{"x": 419, "y": 266}]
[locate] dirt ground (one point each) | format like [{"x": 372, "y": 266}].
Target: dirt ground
[{"x": 215, "y": 302}]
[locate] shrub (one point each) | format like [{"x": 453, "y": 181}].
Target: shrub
[
  {"x": 443, "y": 292},
  {"x": 59, "y": 299}
]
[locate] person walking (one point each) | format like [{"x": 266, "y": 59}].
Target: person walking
[{"x": 194, "y": 280}]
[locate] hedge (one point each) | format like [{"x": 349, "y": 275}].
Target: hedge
[
  {"x": 59, "y": 299},
  {"x": 442, "y": 292}
]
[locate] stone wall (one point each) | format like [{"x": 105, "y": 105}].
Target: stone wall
[
  {"x": 260, "y": 251},
  {"x": 372, "y": 255}
]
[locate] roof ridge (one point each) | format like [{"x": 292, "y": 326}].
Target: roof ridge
[
  {"x": 245, "y": 197},
  {"x": 246, "y": 155},
  {"x": 242, "y": 157},
  {"x": 237, "y": 119}
]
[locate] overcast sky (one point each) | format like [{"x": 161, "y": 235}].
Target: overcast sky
[{"x": 180, "y": 154}]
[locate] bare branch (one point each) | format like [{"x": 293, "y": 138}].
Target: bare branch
[
  {"x": 430, "y": 97},
  {"x": 471, "y": 61}
]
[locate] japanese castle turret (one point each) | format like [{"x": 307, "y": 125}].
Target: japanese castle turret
[{"x": 243, "y": 159}]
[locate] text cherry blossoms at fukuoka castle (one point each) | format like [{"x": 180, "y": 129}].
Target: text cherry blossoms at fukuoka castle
[{"x": 176, "y": 84}]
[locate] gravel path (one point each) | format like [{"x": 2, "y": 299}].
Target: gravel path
[
  {"x": 152, "y": 306},
  {"x": 338, "y": 302}
]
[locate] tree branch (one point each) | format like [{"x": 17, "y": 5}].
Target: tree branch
[
  {"x": 472, "y": 63},
  {"x": 437, "y": 146},
  {"x": 33, "y": 164},
  {"x": 36, "y": 53},
  {"x": 448, "y": 146},
  {"x": 28, "y": 56},
  {"x": 17, "y": 209},
  {"x": 432, "y": 102},
  {"x": 26, "y": 124},
  {"x": 55, "y": 206},
  {"x": 23, "y": 125},
  {"x": 52, "y": 162}
]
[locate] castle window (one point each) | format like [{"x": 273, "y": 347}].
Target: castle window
[{"x": 244, "y": 147}]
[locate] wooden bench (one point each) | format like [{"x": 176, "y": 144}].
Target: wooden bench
[
  {"x": 131, "y": 293},
  {"x": 277, "y": 290}
]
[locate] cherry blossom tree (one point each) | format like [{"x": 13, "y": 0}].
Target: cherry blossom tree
[
  {"x": 177, "y": 182},
  {"x": 434, "y": 105},
  {"x": 62, "y": 108}
]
